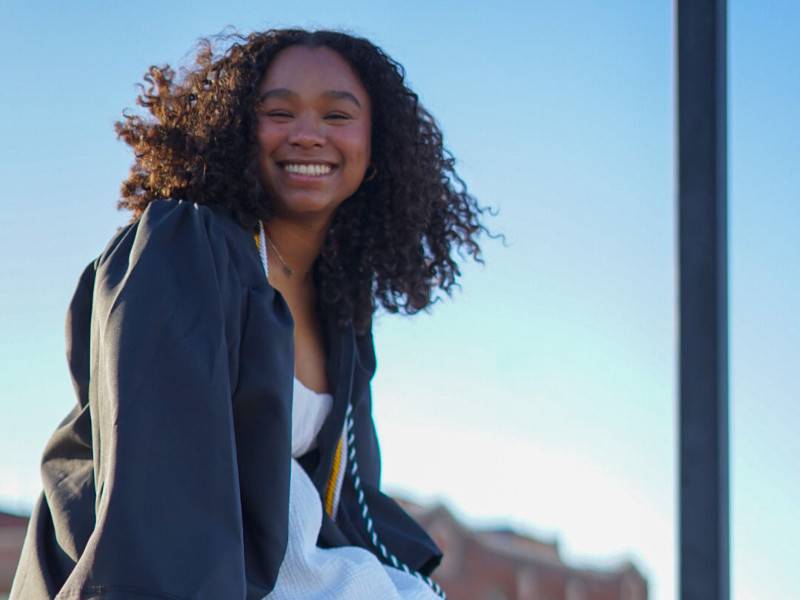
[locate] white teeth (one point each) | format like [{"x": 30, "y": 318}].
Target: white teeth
[{"x": 315, "y": 170}]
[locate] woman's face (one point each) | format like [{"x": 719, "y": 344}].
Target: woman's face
[{"x": 314, "y": 128}]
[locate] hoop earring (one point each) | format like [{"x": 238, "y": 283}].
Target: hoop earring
[{"x": 371, "y": 176}]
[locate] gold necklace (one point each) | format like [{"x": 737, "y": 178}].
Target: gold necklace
[{"x": 287, "y": 270}]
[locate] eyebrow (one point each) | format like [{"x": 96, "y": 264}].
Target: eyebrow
[{"x": 288, "y": 94}]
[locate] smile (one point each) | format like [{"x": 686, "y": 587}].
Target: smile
[{"x": 314, "y": 170}]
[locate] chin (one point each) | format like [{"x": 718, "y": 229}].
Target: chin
[{"x": 305, "y": 208}]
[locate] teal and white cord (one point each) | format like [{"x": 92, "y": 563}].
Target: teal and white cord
[{"x": 371, "y": 533}]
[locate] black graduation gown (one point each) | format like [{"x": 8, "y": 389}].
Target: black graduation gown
[{"x": 169, "y": 478}]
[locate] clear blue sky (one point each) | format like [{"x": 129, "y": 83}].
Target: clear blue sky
[{"x": 543, "y": 395}]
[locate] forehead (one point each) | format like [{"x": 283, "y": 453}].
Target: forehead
[{"x": 304, "y": 70}]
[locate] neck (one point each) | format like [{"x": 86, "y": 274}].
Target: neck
[{"x": 298, "y": 244}]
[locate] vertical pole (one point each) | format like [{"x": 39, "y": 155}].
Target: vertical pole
[{"x": 703, "y": 309}]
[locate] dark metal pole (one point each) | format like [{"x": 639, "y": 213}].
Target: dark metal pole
[{"x": 703, "y": 309}]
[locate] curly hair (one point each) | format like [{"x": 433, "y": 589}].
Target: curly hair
[{"x": 388, "y": 243}]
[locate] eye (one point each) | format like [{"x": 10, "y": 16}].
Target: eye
[
  {"x": 264, "y": 110},
  {"x": 338, "y": 116}
]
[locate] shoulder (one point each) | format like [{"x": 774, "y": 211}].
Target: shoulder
[{"x": 180, "y": 234}]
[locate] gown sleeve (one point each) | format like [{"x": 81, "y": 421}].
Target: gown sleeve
[{"x": 167, "y": 312}]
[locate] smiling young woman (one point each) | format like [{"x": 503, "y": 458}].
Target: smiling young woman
[{"x": 222, "y": 444}]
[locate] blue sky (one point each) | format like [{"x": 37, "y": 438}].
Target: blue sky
[{"x": 543, "y": 394}]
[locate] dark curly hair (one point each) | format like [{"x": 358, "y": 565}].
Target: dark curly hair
[{"x": 389, "y": 243}]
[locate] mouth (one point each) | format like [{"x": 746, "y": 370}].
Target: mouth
[{"x": 305, "y": 169}]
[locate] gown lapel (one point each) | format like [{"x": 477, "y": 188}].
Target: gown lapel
[{"x": 340, "y": 363}]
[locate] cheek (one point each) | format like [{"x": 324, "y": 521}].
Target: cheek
[
  {"x": 263, "y": 148},
  {"x": 265, "y": 144},
  {"x": 358, "y": 147},
  {"x": 267, "y": 139}
]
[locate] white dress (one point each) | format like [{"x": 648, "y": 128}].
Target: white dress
[{"x": 312, "y": 573}]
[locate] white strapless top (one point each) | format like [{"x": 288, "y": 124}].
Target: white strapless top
[
  {"x": 309, "y": 572},
  {"x": 309, "y": 411}
]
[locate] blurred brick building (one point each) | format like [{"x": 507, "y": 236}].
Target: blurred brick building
[
  {"x": 504, "y": 565},
  {"x": 12, "y": 534}
]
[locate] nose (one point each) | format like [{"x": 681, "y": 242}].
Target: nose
[{"x": 306, "y": 133}]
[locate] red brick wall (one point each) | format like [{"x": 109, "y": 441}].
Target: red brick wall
[{"x": 12, "y": 534}]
